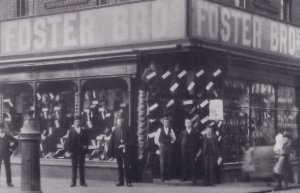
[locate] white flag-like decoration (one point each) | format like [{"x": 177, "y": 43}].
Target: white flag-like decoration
[
  {"x": 94, "y": 94},
  {"x": 170, "y": 103},
  {"x": 188, "y": 102},
  {"x": 151, "y": 75},
  {"x": 51, "y": 96},
  {"x": 174, "y": 87},
  {"x": 204, "y": 103},
  {"x": 204, "y": 120},
  {"x": 153, "y": 107},
  {"x": 166, "y": 75},
  {"x": 38, "y": 96},
  {"x": 191, "y": 86},
  {"x": 219, "y": 160},
  {"x": 217, "y": 73},
  {"x": 181, "y": 74},
  {"x": 209, "y": 85},
  {"x": 200, "y": 73},
  {"x": 219, "y": 124}
]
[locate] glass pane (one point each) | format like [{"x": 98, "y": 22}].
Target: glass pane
[
  {"x": 236, "y": 103},
  {"x": 287, "y": 110},
  {"x": 263, "y": 114}
]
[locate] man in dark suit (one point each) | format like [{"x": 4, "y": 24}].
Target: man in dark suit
[
  {"x": 189, "y": 140},
  {"x": 120, "y": 148},
  {"x": 6, "y": 150},
  {"x": 78, "y": 141},
  {"x": 210, "y": 153}
]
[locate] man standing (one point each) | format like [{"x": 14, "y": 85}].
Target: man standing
[
  {"x": 210, "y": 153},
  {"x": 6, "y": 150},
  {"x": 164, "y": 138},
  {"x": 120, "y": 148},
  {"x": 78, "y": 141},
  {"x": 189, "y": 140}
]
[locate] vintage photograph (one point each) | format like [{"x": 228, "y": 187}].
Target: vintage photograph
[{"x": 149, "y": 96}]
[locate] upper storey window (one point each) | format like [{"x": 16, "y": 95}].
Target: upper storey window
[{"x": 22, "y": 8}]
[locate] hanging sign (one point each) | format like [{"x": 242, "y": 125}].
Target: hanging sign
[{"x": 216, "y": 110}]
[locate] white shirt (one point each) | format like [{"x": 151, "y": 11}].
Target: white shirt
[
  {"x": 172, "y": 135},
  {"x": 189, "y": 130},
  {"x": 2, "y": 135},
  {"x": 77, "y": 130}
]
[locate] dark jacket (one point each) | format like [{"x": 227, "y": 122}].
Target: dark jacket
[
  {"x": 78, "y": 143},
  {"x": 210, "y": 145},
  {"x": 5, "y": 148},
  {"x": 117, "y": 139},
  {"x": 194, "y": 140}
]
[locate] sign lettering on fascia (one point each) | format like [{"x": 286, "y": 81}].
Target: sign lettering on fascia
[
  {"x": 229, "y": 26},
  {"x": 63, "y": 3},
  {"x": 95, "y": 28}
]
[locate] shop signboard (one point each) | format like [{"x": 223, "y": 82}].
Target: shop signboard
[
  {"x": 140, "y": 22},
  {"x": 233, "y": 27},
  {"x": 216, "y": 110}
]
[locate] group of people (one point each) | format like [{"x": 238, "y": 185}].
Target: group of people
[
  {"x": 192, "y": 145},
  {"x": 119, "y": 148}
]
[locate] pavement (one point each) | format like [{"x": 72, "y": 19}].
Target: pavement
[{"x": 50, "y": 185}]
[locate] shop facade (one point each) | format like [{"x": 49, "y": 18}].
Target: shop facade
[{"x": 149, "y": 59}]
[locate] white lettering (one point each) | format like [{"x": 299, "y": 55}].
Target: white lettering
[
  {"x": 257, "y": 32},
  {"x": 283, "y": 39},
  {"x": 225, "y": 31},
  {"x": 10, "y": 29},
  {"x": 54, "y": 21},
  {"x": 213, "y": 20},
  {"x": 274, "y": 36},
  {"x": 245, "y": 36},
  {"x": 120, "y": 25},
  {"x": 292, "y": 41},
  {"x": 40, "y": 39},
  {"x": 24, "y": 35},
  {"x": 236, "y": 16},
  {"x": 201, "y": 7},
  {"x": 159, "y": 19},
  {"x": 87, "y": 28},
  {"x": 69, "y": 30},
  {"x": 140, "y": 23}
]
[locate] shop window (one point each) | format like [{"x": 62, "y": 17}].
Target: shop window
[
  {"x": 287, "y": 110},
  {"x": 285, "y": 12},
  {"x": 55, "y": 110},
  {"x": 101, "y": 100},
  {"x": 236, "y": 105},
  {"x": 17, "y": 101},
  {"x": 263, "y": 114}
]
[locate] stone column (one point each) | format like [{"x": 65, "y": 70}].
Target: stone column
[{"x": 30, "y": 171}]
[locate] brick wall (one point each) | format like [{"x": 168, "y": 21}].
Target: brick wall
[
  {"x": 8, "y": 9},
  {"x": 296, "y": 12}
]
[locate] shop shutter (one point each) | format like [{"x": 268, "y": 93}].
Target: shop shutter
[{"x": 295, "y": 12}]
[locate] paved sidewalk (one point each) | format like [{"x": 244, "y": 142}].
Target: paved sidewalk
[{"x": 62, "y": 186}]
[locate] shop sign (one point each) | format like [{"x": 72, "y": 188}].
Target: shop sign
[
  {"x": 126, "y": 24},
  {"x": 216, "y": 112},
  {"x": 64, "y": 3},
  {"x": 231, "y": 26}
]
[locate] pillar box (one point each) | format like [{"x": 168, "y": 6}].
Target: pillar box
[{"x": 30, "y": 145}]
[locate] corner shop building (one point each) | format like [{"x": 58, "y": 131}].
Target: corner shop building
[{"x": 107, "y": 49}]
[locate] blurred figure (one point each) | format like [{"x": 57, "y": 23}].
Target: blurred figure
[
  {"x": 248, "y": 165},
  {"x": 283, "y": 167},
  {"x": 6, "y": 150}
]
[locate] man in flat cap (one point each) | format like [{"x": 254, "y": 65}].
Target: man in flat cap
[
  {"x": 6, "y": 150},
  {"x": 78, "y": 141}
]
